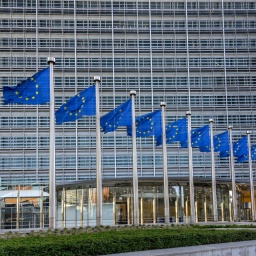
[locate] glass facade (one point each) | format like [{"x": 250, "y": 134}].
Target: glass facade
[
  {"x": 76, "y": 204},
  {"x": 194, "y": 55},
  {"x": 27, "y": 206}
]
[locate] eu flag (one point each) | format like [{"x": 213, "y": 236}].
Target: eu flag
[
  {"x": 120, "y": 116},
  {"x": 240, "y": 147},
  {"x": 221, "y": 144},
  {"x": 82, "y": 104},
  {"x": 33, "y": 91},
  {"x": 200, "y": 138},
  {"x": 175, "y": 131},
  {"x": 244, "y": 158},
  {"x": 147, "y": 125}
]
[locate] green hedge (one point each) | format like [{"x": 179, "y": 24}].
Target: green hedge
[{"x": 117, "y": 241}]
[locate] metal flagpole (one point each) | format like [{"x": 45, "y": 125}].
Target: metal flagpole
[
  {"x": 52, "y": 183},
  {"x": 190, "y": 168},
  {"x": 134, "y": 164},
  {"x": 165, "y": 170},
  {"x": 233, "y": 177},
  {"x": 98, "y": 155},
  {"x": 250, "y": 173},
  {"x": 214, "y": 195}
]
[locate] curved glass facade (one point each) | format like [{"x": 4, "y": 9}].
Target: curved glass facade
[{"x": 77, "y": 202}]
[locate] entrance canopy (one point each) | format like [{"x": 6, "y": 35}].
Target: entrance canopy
[{"x": 153, "y": 181}]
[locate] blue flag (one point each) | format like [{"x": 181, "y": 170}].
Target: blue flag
[
  {"x": 240, "y": 147},
  {"x": 120, "y": 116},
  {"x": 221, "y": 143},
  {"x": 33, "y": 91},
  {"x": 147, "y": 125},
  {"x": 175, "y": 131},
  {"x": 200, "y": 138},
  {"x": 82, "y": 104},
  {"x": 244, "y": 158}
]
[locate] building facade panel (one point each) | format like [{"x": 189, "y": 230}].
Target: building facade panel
[{"x": 194, "y": 55}]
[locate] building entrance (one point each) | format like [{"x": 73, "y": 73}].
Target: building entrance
[{"x": 121, "y": 213}]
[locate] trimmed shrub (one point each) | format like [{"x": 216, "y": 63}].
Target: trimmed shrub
[{"x": 118, "y": 241}]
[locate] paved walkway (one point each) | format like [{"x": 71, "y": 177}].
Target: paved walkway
[{"x": 247, "y": 248}]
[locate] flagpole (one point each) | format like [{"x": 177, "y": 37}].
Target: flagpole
[
  {"x": 98, "y": 155},
  {"x": 52, "y": 182},
  {"x": 165, "y": 170},
  {"x": 214, "y": 195},
  {"x": 250, "y": 173},
  {"x": 134, "y": 163},
  {"x": 233, "y": 177},
  {"x": 190, "y": 168}
]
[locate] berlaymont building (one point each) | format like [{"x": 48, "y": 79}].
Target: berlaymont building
[{"x": 197, "y": 56}]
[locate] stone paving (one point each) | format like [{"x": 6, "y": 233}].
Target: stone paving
[{"x": 247, "y": 248}]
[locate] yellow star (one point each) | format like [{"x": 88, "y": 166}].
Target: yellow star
[
  {"x": 33, "y": 97},
  {"x": 70, "y": 114},
  {"x": 65, "y": 108},
  {"x": 31, "y": 78},
  {"x": 16, "y": 93},
  {"x": 37, "y": 92},
  {"x": 37, "y": 86},
  {"x": 27, "y": 98}
]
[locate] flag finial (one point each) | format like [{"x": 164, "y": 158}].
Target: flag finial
[
  {"x": 132, "y": 92},
  {"x": 163, "y": 104},
  {"x": 51, "y": 60},
  {"x": 96, "y": 78}
]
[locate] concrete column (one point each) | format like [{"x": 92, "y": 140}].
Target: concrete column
[
  {"x": 63, "y": 208},
  {"x": 141, "y": 209},
  {"x": 176, "y": 210},
  {"x": 205, "y": 209},
  {"x": 196, "y": 213},
  {"x": 128, "y": 210},
  {"x": 82, "y": 208}
]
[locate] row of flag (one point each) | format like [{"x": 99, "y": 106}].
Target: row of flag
[{"x": 35, "y": 90}]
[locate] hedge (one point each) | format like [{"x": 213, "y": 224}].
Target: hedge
[{"x": 82, "y": 242}]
